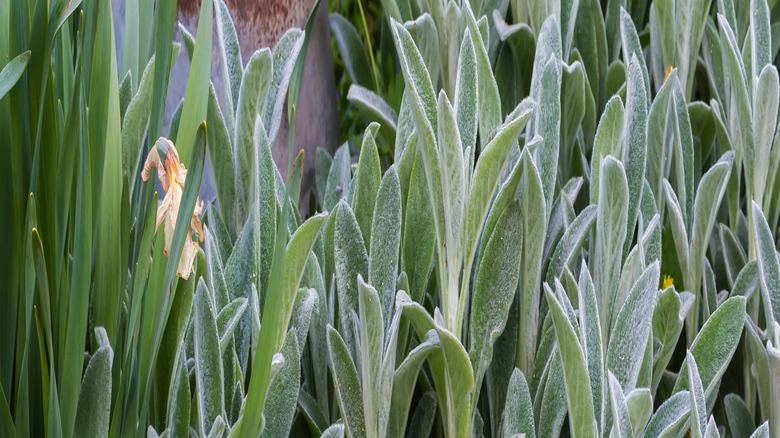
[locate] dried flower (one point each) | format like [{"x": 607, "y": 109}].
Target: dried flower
[{"x": 172, "y": 175}]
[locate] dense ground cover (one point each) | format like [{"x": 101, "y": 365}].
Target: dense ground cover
[{"x": 550, "y": 219}]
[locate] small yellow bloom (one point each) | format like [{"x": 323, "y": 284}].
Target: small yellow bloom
[
  {"x": 172, "y": 175},
  {"x": 668, "y": 282},
  {"x": 668, "y": 70}
]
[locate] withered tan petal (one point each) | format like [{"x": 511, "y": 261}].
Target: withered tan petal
[
  {"x": 195, "y": 223},
  {"x": 187, "y": 257},
  {"x": 173, "y": 175},
  {"x": 153, "y": 161}
]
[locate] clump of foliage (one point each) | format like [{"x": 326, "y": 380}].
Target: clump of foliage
[{"x": 566, "y": 226}]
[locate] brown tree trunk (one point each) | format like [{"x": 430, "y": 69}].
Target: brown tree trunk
[{"x": 260, "y": 23}]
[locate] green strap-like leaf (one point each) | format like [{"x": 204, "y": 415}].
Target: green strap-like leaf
[
  {"x": 94, "y": 405},
  {"x": 454, "y": 187},
  {"x": 228, "y": 319},
  {"x": 384, "y": 382},
  {"x": 371, "y": 330},
  {"x": 487, "y": 95},
  {"x": 405, "y": 379},
  {"x": 708, "y": 197},
  {"x": 196, "y": 94},
  {"x": 575, "y": 371},
  {"x": 621, "y": 427},
  {"x": 466, "y": 93},
  {"x": 767, "y": 97},
  {"x": 683, "y": 150},
  {"x": 606, "y": 142},
  {"x": 351, "y": 259},
  {"x": 179, "y": 400},
  {"x": 571, "y": 242},
  {"x": 208, "y": 364},
  {"x": 424, "y": 105},
  {"x": 591, "y": 338},
  {"x": 254, "y": 85},
  {"x": 518, "y": 417},
  {"x": 547, "y": 124},
  {"x": 374, "y": 108},
  {"x": 548, "y": 45},
  {"x": 419, "y": 234},
  {"x": 352, "y": 51},
  {"x": 426, "y": 38},
  {"x": 671, "y": 417},
  {"x": 75, "y": 305},
  {"x": 632, "y": 47},
  {"x": 134, "y": 123},
  {"x": 485, "y": 182},
  {"x": 690, "y": 20},
  {"x": 6, "y": 421},
  {"x": 635, "y": 150},
  {"x": 315, "y": 417},
  {"x": 416, "y": 77},
  {"x": 298, "y": 249},
  {"x": 230, "y": 60},
  {"x": 322, "y": 163},
  {"x": 451, "y": 370},
  {"x": 657, "y": 133},
  {"x": 740, "y": 419},
  {"x": 698, "y": 403},
  {"x": 611, "y": 225},
  {"x": 164, "y": 23},
  {"x": 406, "y": 125},
  {"x": 760, "y": 38},
  {"x": 283, "y": 390},
  {"x": 386, "y": 242},
  {"x": 339, "y": 176},
  {"x": 534, "y": 230},
  {"x": 285, "y": 56},
  {"x": 734, "y": 72},
  {"x": 424, "y": 416},
  {"x": 773, "y": 354},
  {"x": 345, "y": 380},
  {"x": 768, "y": 266},
  {"x": 109, "y": 269},
  {"x": 573, "y": 109},
  {"x": 762, "y": 431},
  {"x": 632, "y": 327},
  {"x": 640, "y": 408},
  {"x": 495, "y": 285},
  {"x": 715, "y": 344},
  {"x": 551, "y": 400},
  {"x": 215, "y": 273},
  {"x": 668, "y": 318},
  {"x": 368, "y": 176},
  {"x": 12, "y": 72},
  {"x": 176, "y": 333},
  {"x": 307, "y": 304},
  {"x": 334, "y": 431}
]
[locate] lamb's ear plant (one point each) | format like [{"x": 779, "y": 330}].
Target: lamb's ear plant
[
  {"x": 676, "y": 32},
  {"x": 448, "y": 164},
  {"x": 515, "y": 249},
  {"x": 744, "y": 107},
  {"x": 12, "y": 72}
]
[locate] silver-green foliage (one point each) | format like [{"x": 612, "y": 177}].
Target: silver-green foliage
[{"x": 522, "y": 164}]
